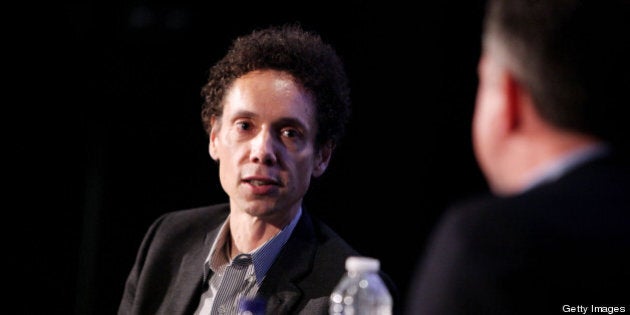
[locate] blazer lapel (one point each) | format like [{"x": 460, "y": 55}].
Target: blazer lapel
[
  {"x": 189, "y": 283},
  {"x": 280, "y": 286}
]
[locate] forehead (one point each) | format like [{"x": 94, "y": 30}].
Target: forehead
[{"x": 270, "y": 94}]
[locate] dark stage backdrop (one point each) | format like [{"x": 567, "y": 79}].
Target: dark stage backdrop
[{"x": 107, "y": 133}]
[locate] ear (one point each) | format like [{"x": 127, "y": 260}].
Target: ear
[
  {"x": 322, "y": 158},
  {"x": 515, "y": 95},
  {"x": 214, "y": 130}
]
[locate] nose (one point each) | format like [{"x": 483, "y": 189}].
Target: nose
[{"x": 263, "y": 148}]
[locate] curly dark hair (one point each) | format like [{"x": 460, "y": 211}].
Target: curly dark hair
[{"x": 313, "y": 64}]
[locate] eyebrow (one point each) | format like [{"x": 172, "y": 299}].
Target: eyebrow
[
  {"x": 282, "y": 121},
  {"x": 245, "y": 113}
]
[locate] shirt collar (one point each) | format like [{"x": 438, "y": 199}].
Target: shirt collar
[
  {"x": 557, "y": 168},
  {"x": 262, "y": 257},
  {"x": 265, "y": 255}
]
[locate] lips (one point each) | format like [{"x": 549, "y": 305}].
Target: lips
[
  {"x": 260, "y": 181},
  {"x": 257, "y": 182},
  {"x": 260, "y": 185}
]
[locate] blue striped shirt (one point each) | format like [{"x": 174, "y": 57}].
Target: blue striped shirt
[{"x": 262, "y": 259}]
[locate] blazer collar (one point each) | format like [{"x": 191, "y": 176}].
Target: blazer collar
[
  {"x": 280, "y": 286},
  {"x": 191, "y": 279}
]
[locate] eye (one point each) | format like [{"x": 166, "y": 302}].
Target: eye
[
  {"x": 243, "y": 125},
  {"x": 290, "y": 133}
]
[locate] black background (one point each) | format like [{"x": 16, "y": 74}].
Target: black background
[{"x": 104, "y": 132}]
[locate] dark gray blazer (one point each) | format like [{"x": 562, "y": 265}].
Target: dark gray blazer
[
  {"x": 562, "y": 244},
  {"x": 167, "y": 275}
]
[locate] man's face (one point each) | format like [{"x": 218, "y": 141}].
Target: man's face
[{"x": 265, "y": 144}]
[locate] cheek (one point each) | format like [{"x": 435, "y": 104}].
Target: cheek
[
  {"x": 478, "y": 117},
  {"x": 303, "y": 165},
  {"x": 484, "y": 127},
  {"x": 478, "y": 131}
]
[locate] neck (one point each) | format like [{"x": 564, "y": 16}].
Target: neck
[
  {"x": 532, "y": 156},
  {"x": 249, "y": 232}
]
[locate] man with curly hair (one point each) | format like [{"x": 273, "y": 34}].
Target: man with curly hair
[{"x": 274, "y": 108}]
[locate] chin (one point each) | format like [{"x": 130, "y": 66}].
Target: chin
[{"x": 258, "y": 209}]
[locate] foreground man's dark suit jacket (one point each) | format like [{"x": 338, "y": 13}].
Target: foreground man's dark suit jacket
[
  {"x": 167, "y": 275},
  {"x": 564, "y": 243}
]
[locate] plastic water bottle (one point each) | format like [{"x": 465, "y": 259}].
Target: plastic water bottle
[{"x": 361, "y": 291}]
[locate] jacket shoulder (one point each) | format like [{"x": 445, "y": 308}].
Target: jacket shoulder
[{"x": 193, "y": 218}]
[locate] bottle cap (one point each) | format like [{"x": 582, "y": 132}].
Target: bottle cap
[{"x": 362, "y": 263}]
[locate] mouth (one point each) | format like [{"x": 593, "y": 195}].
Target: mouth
[
  {"x": 262, "y": 185},
  {"x": 261, "y": 181}
]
